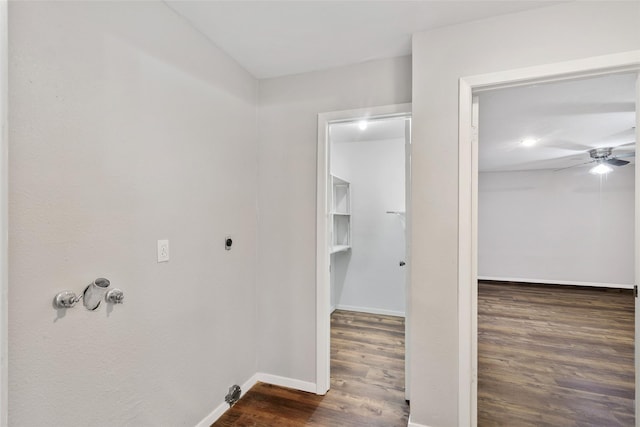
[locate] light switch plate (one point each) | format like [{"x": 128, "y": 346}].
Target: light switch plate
[{"x": 163, "y": 250}]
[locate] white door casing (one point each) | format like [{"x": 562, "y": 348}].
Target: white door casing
[
  {"x": 468, "y": 188},
  {"x": 637, "y": 252},
  {"x": 323, "y": 286},
  {"x": 407, "y": 256}
]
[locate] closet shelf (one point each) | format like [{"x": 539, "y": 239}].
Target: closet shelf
[
  {"x": 340, "y": 248},
  {"x": 340, "y": 215}
]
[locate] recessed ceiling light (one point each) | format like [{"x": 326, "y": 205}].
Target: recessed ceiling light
[
  {"x": 601, "y": 169},
  {"x": 362, "y": 124},
  {"x": 528, "y": 142}
]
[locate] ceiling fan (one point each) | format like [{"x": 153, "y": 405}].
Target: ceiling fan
[{"x": 604, "y": 158}]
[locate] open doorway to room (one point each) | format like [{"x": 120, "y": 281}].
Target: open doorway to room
[
  {"x": 556, "y": 257},
  {"x": 362, "y": 257}
]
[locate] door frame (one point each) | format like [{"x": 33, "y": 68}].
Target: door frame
[
  {"x": 468, "y": 204},
  {"x": 4, "y": 227},
  {"x": 323, "y": 285}
]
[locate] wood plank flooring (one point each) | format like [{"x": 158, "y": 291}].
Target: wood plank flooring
[
  {"x": 555, "y": 356},
  {"x": 367, "y": 382}
]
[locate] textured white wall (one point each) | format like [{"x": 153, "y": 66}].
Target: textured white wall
[
  {"x": 4, "y": 190},
  {"x": 441, "y": 57},
  {"x": 288, "y": 128},
  {"x": 368, "y": 277},
  {"x": 127, "y": 126},
  {"x": 557, "y": 226}
]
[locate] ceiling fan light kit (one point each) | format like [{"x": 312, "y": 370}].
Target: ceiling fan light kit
[
  {"x": 604, "y": 159},
  {"x": 601, "y": 169}
]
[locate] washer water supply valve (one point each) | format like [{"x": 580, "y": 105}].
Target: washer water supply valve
[{"x": 91, "y": 297}]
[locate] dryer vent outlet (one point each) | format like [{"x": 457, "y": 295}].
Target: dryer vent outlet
[{"x": 234, "y": 394}]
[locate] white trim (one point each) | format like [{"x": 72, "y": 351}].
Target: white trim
[
  {"x": 224, "y": 406},
  {"x": 323, "y": 277},
  {"x": 466, "y": 379},
  {"x": 467, "y": 185},
  {"x": 263, "y": 378},
  {"x": 370, "y": 310},
  {"x": 412, "y": 424},
  {"x": 581, "y": 68},
  {"x": 214, "y": 415},
  {"x": 286, "y": 382},
  {"x": 637, "y": 255},
  {"x": 4, "y": 227},
  {"x": 557, "y": 282},
  {"x": 407, "y": 256},
  {"x": 323, "y": 286}
]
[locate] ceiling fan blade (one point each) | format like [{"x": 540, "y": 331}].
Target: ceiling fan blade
[
  {"x": 574, "y": 166},
  {"x": 631, "y": 154},
  {"x": 616, "y": 162}
]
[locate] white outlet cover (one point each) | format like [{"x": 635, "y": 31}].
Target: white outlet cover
[{"x": 163, "y": 250}]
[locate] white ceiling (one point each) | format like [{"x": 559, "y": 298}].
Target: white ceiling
[
  {"x": 567, "y": 118},
  {"x": 276, "y": 38}
]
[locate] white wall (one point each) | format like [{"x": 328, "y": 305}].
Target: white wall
[
  {"x": 4, "y": 191},
  {"x": 440, "y": 58},
  {"x": 127, "y": 126},
  {"x": 287, "y": 124},
  {"x": 565, "y": 226},
  {"x": 368, "y": 277}
]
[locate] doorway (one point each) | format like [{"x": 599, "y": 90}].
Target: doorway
[
  {"x": 367, "y": 216},
  {"x": 334, "y": 223},
  {"x": 556, "y": 172},
  {"x": 468, "y": 214}
]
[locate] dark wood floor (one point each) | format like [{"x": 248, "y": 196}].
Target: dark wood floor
[
  {"x": 367, "y": 382},
  {"x": 547, "y": 356},
  {"x": 555, "y": 356}
]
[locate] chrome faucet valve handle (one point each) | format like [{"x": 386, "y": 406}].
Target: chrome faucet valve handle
[
  {"x": 114, "y": 296},
  {"x": 66, "y": 299}
]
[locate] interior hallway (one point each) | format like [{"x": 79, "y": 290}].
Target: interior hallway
[
  {"x": 367, "y": 382},
  {"x": 555, "y": 355}
]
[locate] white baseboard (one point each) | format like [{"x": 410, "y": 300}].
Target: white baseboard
[
  {"x": 258, "y": 377},
  {"x": 224, "y": 406},
  {"x": 412, "y": 424},
  {"x": 213, "y": 416},
  {"x": 558, "y": 282},
  {"x": 286, "y": 382},
  {"x": 370, "y": 310}
]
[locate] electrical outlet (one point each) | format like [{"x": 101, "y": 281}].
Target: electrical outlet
[{"x": 163, "y": 250}]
